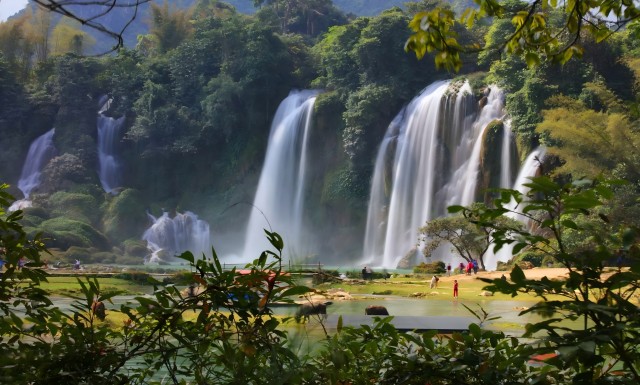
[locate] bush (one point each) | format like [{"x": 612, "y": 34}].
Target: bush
[
  {"x": 533, "y": 258},
  {"x": 135, "y": 248},
  {"x": 125, "y": 216},
  {"x": 127, "y": 260},
  {"x": 64, "y": 233},
  {"x": 437, "y": 267},
  {"x": 76, "y": 206},
  {"x": 179, "y": 278},
  {"x": 138, "y": 277}
]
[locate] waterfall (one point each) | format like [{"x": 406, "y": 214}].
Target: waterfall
[
  {"x": 529, "y": 169},
  {"x": 428, "y": 160},
  {"x": 41, "y": 151},
  {"x": 279, "y": 200},
  {"x": 108, "y": 134},
  {"x": 506, "y": 151},
  {"x": 168, "y": 237}
]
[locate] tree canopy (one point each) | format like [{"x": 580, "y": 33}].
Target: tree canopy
[{"x": 539, "y": 30}]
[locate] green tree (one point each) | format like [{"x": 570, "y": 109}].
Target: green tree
[
  {"x": 602, "y": 347},
  {"x": 309, "y": 17},
  {"x": 590, "y": 142},
  {"x": 170, "y": 26},
  {"x": 69, "y": 38},
  {"x": 468, "y": 240},
  {"x": 540, "y": 31}
]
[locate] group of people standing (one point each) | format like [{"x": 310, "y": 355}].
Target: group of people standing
[{"x": 465, "y": 268}]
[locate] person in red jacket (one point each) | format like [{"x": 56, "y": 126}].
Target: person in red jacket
[{"x": 455, "y": 289}]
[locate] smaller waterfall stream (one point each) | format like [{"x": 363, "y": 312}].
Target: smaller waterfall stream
[
  {"x": 529, "y": 169},
  {"x": 108, "y": 134},
  {"x": 168, "y": 236},
  {"x": 41, "y": 151}
]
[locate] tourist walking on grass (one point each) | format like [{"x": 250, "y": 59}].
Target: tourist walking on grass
[
  {"x": 455, "y": 289},
  {"x": 449, "y": 270}
]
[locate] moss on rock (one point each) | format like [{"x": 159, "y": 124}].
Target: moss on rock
[
  {"x": 64, "y": 233},
  {"x": 124, "y": 216}
]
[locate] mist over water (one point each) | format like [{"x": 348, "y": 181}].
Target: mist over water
[{"x": 168, "y": 237}]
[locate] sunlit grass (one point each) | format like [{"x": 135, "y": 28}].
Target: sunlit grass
[
  {"x": 66, "y": 285},
  {"x": 468, "y": 289}
]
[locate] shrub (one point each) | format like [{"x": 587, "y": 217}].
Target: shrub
[
  {"x": 531, "y": 257},
  {"x": 437, "y": 267},
  {"x": 76, "y": 206},
  {"x": 124, "y": 216},
  {"x": 135, "y": 248},
  {"x": 65, "y": 233},
  {"x": 138, "y": 277}
]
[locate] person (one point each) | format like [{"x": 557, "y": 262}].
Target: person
[
  {"x": 364, "y": 273},
  {"x": 2, "y": 262},
  {"x": 449, "y": 269},
  {"x": 76, "y": 265},
  {"x": 469, "y": 267},
  {"x": 475, "y": 266},
  {"x": 455, "y": 289},
  {"x": 434, "y": 282},
  {"x": 461, "y": 267}
]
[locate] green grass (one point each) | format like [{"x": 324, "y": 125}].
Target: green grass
[
  {"x": 469, "y": 289},
  {"x": 69, "y": 285}
]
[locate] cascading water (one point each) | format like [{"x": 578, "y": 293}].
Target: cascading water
[
  {"x": 168, "y": 237},
  {"x": 529, "y": 169},
  {"x": 428, "y": 160},
  {"x": 108, "y": 133},
  {"x": 41, "y": 151},
  {"x": 278, "y": 203}
]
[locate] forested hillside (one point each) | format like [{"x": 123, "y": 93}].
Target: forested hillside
[{"x": 197, "y": 93}]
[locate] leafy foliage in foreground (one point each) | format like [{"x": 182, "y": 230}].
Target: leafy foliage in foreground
[
  {"x": 602, "y": 349},
  {"x": 224, "y": 332},
  {"x": 540, "y": 30}
]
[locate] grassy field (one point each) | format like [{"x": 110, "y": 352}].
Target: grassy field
[
  {"x": 469, "y": 288},
  {"x": 65, "y": 285}
]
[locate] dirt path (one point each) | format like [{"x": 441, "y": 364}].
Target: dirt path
[{"x": 535, "y": 273}]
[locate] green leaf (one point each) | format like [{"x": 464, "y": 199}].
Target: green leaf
[
  {"x": 517, "y": 275},
  {"x": 187, "y": 256},
  {"x": 570, "y": 224},
  {"x": 532, "y": 59},
  {"x": 475, "y": 331}
]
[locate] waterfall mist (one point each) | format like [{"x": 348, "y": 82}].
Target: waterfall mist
[{"x": 168, "y": 237}]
